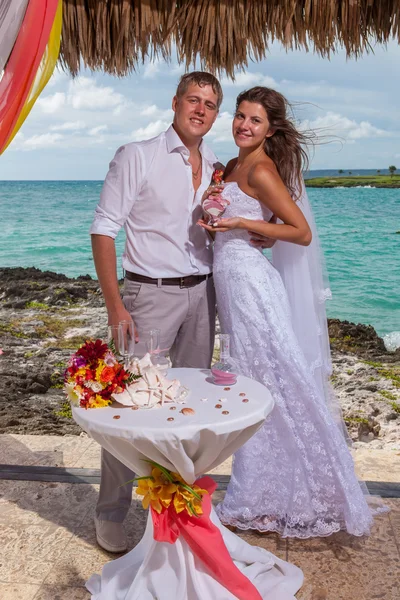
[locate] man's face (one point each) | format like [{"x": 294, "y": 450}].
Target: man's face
[{"x": 195, "y": 111}]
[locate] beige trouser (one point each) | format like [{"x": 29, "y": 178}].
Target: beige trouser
[{"x": 186, "y": 318}]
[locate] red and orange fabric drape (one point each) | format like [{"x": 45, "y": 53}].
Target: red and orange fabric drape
[{"x": 29, "y": 51}]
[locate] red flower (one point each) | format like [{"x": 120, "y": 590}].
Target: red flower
[
  {"x": 92, "y": 351},
  {"x": 217, "y": 176}
]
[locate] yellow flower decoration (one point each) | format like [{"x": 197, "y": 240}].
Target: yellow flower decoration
[
  {"x": 99, "y": 369},
  {"x": 163, "y": 487}
]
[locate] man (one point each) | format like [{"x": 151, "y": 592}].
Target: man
[{"x": 154, "y": 189}]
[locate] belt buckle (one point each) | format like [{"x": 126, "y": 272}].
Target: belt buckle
[{"x": 182, "y": 283}]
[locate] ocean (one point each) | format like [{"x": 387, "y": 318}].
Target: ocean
[{"x": 45, "y": 224}]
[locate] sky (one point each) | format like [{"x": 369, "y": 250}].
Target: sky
[{"x": 76, "y": 125}]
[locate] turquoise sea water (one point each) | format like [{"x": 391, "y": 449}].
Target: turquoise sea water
[{"x": 45, "y": 224}]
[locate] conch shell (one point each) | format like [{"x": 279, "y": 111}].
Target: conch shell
[{"x": 151, "y": 389}]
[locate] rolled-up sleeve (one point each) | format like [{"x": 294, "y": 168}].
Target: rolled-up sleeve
[{"x": 120, "y": 190}]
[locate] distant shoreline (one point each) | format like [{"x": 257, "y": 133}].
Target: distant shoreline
[{"x": 375, "y": 181}]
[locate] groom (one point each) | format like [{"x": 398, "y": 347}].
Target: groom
[{"x": 154, "y": 189}]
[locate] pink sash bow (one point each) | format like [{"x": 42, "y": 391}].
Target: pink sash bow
[{"x": 206, "y": 542}]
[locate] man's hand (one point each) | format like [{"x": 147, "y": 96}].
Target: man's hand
[
  {"x": 260, "y": 241},
  {"x": 116, "y": 316}
]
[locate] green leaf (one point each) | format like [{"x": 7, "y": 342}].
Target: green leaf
[
  {"x": 162, "y": 469},
  {"x": 190, "y": 490}
]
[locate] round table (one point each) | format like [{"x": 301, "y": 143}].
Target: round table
[{"x": 224, "y": 419}]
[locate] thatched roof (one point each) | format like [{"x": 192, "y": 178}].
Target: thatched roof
[{"x": 115, "y": 35}]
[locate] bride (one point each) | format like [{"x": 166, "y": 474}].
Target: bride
[{"x": 296, "y": 475}]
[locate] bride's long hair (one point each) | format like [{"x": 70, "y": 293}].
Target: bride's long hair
[{"x": 287, "y": 147}]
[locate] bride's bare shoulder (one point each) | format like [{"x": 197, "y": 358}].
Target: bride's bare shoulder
[
  {"x": 263, "y": 171},
  {"x": 230, "y": 166}
]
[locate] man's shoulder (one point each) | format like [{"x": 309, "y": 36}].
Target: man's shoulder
[{"x": 144, "y": 145}]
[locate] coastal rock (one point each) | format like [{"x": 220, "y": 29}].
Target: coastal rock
[{"x": 37, "y": 336}]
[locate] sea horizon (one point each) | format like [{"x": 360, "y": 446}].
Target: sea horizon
[
  {"x": 46, "y": 225},
  {"x": 307, "y": 175}
]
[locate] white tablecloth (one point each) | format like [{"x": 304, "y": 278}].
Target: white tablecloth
[{"x": 190, "y": 445}]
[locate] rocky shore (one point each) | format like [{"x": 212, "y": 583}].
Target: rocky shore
[{"x": 44, "y": 317}]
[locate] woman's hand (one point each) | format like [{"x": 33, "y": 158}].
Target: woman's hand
[
  {"x": 212, "y": 190},
  {"x": 222, "y": 225}
]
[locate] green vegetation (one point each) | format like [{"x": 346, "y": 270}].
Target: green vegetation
[
  {"x": 13, "y": 329},
  {"x": 65, "y": 410},
  {"x": 349, "y": 372},
  {"x": 392, "y": 373},
  {"x": 379, "y": 181},
  {"x": 396, "y": 407},
  {"x": 392, "y": 170},
  {"x": 54, "y": 327},
  {"x": 71, "y": 343},
  {"x": 37, "y": 305},
  {"x": 351, "y": 420},
  {"x": 57, "y": 380},
  {"x": 388, "y": 395}
]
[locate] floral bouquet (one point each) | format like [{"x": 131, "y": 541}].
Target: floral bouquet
[
  {"x": 93, "y": 374},
  {"x": 214, "y": 205},
  {"x": 164, "y": 489}
]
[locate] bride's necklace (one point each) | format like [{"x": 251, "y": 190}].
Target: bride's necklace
[{"x": 196, "y": 173}]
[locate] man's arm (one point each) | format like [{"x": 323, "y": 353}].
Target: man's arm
[
  {"x": 116, "y": 200},
  {"x": 105, "y": 261}
]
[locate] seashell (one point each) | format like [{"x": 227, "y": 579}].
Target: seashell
[
  {"x": 204, "y": 399},
  {"x": 222, "y": 399},
  {"x": 245, "y": 400},
  {"x": 226, "y": 389},
  {"x": 225, "y": 412},
  {"x": 170, "y": 419},
  {"x": 242, "y": 394},
  {"x": 135, "y": 408},
  {"x": 188, "y": 411},
  {"x": 218, "y": 406},
  {"x": 172, "y": 408},
  {"x": 117, "y": 417}
]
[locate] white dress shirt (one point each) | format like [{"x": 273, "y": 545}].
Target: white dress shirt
[{"x": 149, "y": 191}]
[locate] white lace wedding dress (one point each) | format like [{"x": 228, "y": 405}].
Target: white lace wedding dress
[{"x": 296, "y": 475}]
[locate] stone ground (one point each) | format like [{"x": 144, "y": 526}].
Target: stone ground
[{"x": 48, "y": 548}]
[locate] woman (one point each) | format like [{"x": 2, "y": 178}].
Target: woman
[{"x": 296, "y": 475}]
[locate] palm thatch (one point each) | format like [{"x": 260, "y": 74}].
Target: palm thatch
[{"x": 115, "y": 35}]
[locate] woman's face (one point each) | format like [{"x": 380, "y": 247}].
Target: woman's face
[{"x": 250, "y": 125}]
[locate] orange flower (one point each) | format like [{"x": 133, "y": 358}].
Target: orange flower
[{"x": 107, "y": 374}]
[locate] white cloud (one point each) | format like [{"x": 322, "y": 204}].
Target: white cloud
[
  {"x": 68, "y": 126},
  {"x": 151, "y": 70},
  {"x": 97, "y": 130},
  {"x": 51, "y": 104},
  {"x": 57, "y": 78},
  {"x": 45, "y": 140},
  {"x": 336, "y": 124},
  {"x": 151, "y": 130},
  {"x": 248, "y": 80},
  {"x": 157, "y": 113},
  {"x": 84, "y": 93},
  {"x": 222, "y": 128}
]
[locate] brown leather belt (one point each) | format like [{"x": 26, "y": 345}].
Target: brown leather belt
[{"x": 183, "y": 282}]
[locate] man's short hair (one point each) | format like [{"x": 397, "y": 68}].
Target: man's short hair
[{"x": 200, "y": 78}]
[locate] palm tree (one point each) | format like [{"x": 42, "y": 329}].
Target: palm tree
[
  {"x": 392, "y": 170},
  {"x": 340, "y": 171},
  {"x": 379, "y": 171}
]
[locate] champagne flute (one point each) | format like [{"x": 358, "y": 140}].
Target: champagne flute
[
  {"x": 126, "y": 341},
  {"x": 160, "y": 361}
]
